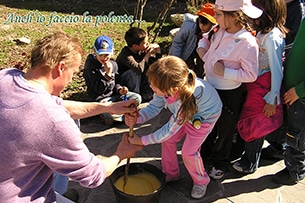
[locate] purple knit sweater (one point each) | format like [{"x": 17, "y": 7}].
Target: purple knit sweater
[{"x": 37, "y": 137}]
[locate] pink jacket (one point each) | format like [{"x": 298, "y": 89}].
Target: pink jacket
[
  {"x": 239, "y": 54},
  {"x": 252, "y": 123}
]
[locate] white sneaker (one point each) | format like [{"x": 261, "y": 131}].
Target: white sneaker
[
  {"x": 238, "y": 167},
  {"x": 216, "y": 173},
  {"x": 198, "y": 191},
  {"x": 118, "y": 117}
]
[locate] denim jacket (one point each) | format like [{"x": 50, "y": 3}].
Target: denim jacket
[{"x": 185, "y": 41}]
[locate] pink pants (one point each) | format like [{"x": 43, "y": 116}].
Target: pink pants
[{"x": 190, "y": 153}]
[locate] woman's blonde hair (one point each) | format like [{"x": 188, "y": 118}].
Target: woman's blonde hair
[
  {"x": 53, "y": 48},
  {"x": 170, "y": 72}
]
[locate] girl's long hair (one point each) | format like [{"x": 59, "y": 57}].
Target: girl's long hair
[
  {"x": 170, "y": 72},
  {"x": 274, "y": 15}
]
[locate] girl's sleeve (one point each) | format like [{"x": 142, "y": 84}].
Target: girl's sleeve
[
  {"x": 134, "y": 65},
  {"x": 154, "y": 107},
  {"x": 204, "y": 42},
  {"x": 275, "y": 48},
  {"x": 249, "y": 65},
  {"x": 162, "y": 134}
]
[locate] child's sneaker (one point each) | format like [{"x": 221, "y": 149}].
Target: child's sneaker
[
  {"x": 198, "y": 191},
  {"x": 216, "y": 173},
  {"x": 237, "y": 166},
  {"x": 241, "y": 169},
  {"x": 118, "y": 117}
]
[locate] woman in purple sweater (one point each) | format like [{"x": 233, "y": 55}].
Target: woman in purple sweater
[{"x": 38, "y": 134}]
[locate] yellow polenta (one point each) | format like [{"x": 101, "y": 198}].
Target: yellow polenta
[{"x": 138, "y": 184}]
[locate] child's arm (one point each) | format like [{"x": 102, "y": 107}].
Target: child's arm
[
  {"x": 291, "y": 96},
  {"x": 135, "y": 66},
  {"x": 152, "y": 49},
  {"x": 201, "y": 52},
  {"x": 248, "y": 61},
  {"x": 203, "y": 45},
  {"x": 162, "y": 134},
  {"x": 127, "y": 60},
  {"x": 159, "y": 136},
  {"x": 150, "y": 111},
  {"x": 275, "y": 48}
]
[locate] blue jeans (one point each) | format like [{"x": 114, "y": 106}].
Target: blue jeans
[
  {"x": 130, "y": 95},
  {"x": 250, "y": 159},
  {"x": 277, "y": 139},
  {"x": 60, "y": 183},
  {"x": 137, "y": 83},
  {"x": 132, "y": 81},
  {"x": 295, "y": 139}
]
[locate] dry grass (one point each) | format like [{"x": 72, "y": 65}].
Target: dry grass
[{"x": 32, "y": 12}]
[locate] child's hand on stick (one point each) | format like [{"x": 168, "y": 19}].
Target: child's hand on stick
[
  {"x": 131, "y": 118},
  {"x": 136, "y": 140}
]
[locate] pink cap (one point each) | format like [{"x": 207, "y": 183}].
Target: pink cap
[{"x": 245, "y": 6}]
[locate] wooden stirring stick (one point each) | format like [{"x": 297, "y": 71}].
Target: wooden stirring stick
[{"x": 128, "y": 159}]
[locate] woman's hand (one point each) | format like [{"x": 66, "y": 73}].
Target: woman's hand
[
  {"x": 136, "y": 140},
  {"x": 126, "y": 149},
  {"x": 123, "y": 107}
]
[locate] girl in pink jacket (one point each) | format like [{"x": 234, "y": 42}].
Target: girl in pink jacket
[{"x": 230, "y": 54}]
